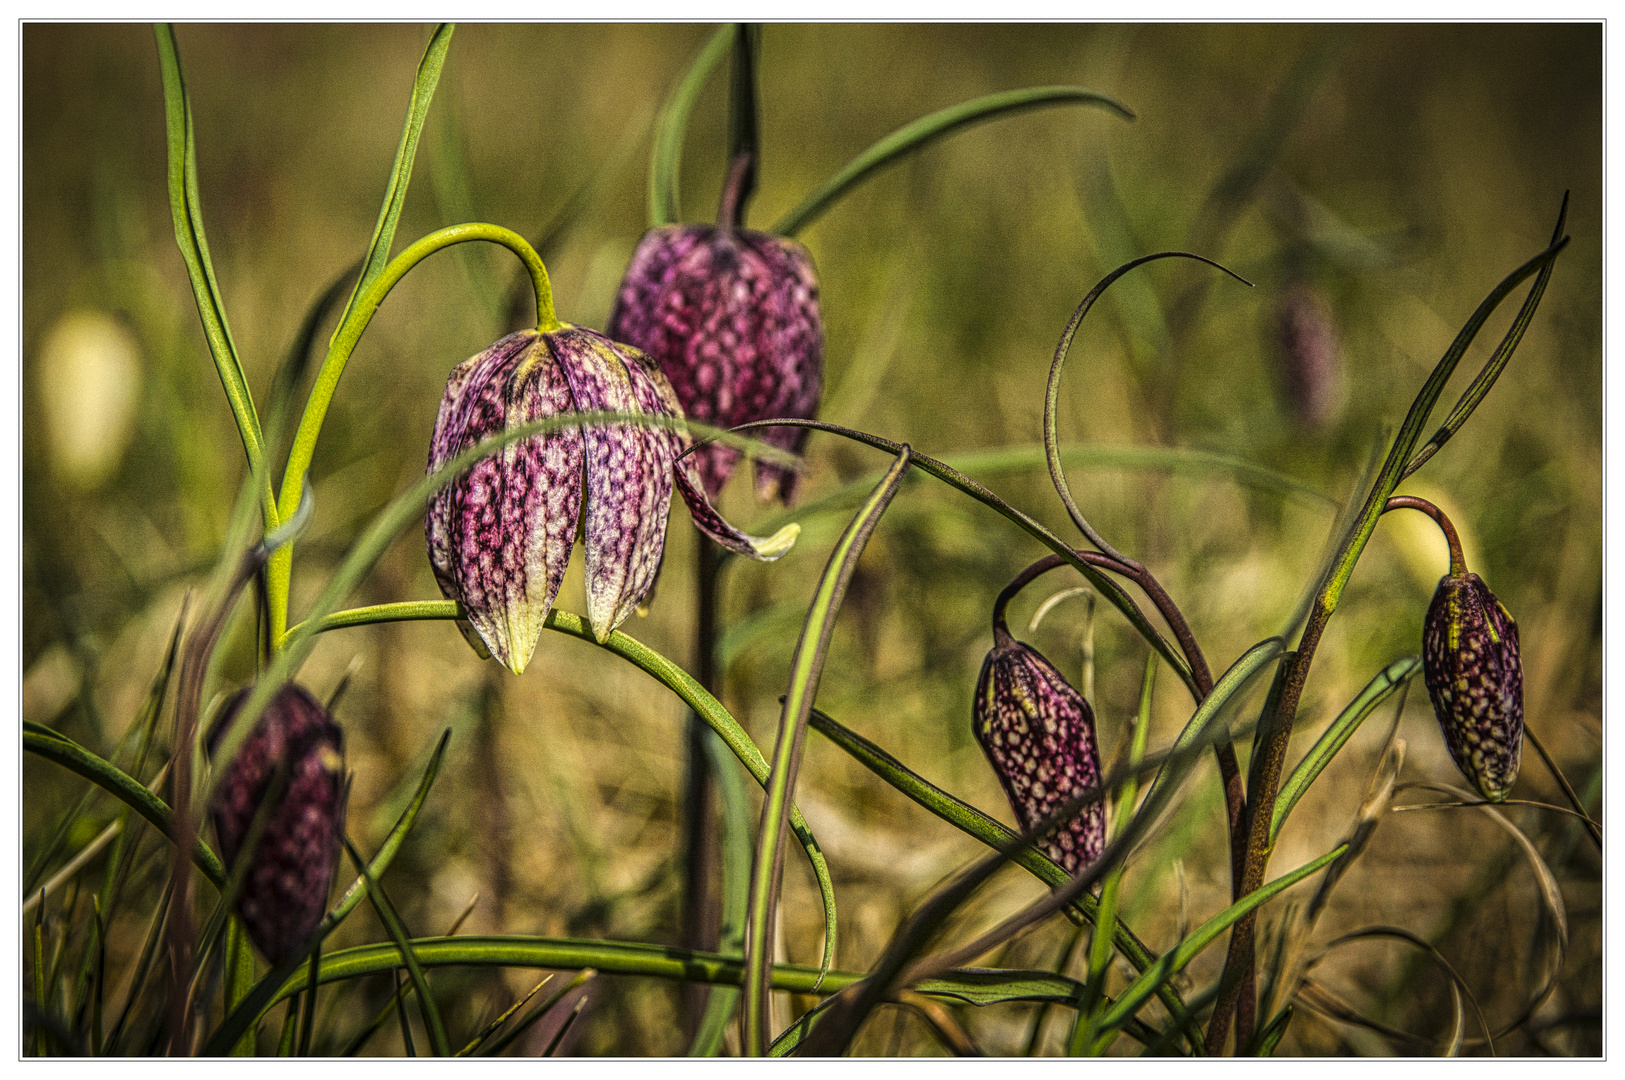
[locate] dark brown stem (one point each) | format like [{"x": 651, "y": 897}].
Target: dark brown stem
[
  {"x": 699, "y": 836},
  {"x": 1458, "y": 564}
]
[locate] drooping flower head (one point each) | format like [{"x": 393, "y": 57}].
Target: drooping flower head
[
  {"x": 1039, "y": 734},
  {"x": 500, "y": 534},
  {"x": 286, "y": 783},
  {"x": 1475, "y": 679},
  {"x": 732, "y": 317}
]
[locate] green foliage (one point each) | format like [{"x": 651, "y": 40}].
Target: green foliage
[{"x": 1281, "y": 150}]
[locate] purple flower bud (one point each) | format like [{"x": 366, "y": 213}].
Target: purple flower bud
[
  {"x": 1039, "y": 733},
  {"x": 500, "y": 534},
  {"x": 1473, "y": 674},
  {"x": 732, "y": 317},
  {"x": 290, "y": 774},
  {"x": 1306, "y": 347}
]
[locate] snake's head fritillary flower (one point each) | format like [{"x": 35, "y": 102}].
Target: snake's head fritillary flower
[
  {"x": 1039, "y": 734},
  {"x": 1475, "y": 679},
  {"x": 500, "y": 534},
  {"x": 287, "y": 785},
  {"x": 731, "y": 315}
]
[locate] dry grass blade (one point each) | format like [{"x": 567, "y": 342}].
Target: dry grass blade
[
  {"x": 1379, "y": 793},
  {"x": 1563, "y": 782},
  {"x": 76, "y": 864},
  {"x": 491, "y": 1028},
  {"x": 1503, "y": 802},
  {"x": 564, "y": 1028},
  {"x": 1321, "y": 1000},
  {"x": 1458, "y": 987},
  {"x": 943, "y": 1023},
  {"x": 1292, "y": 963},
  {"x": 1552, "y": 906},
  {"x": 541, "y": 1010}
]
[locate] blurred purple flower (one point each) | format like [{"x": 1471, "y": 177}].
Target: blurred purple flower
[
  {"x": 1307, "y": 350},
  {"x": 293, "y": 763}
]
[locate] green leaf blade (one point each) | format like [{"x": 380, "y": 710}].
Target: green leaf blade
[{"x": 928, "y": 129}]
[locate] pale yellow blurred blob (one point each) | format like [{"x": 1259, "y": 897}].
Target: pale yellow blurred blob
[
  {"x": 49, "y": 685},
  {"x": 89, "y": 378},
  {"x": 1420, "y": 543}
]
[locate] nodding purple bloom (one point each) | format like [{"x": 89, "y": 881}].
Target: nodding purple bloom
[
  {"x": 500, "y": 534},
  {"x": 287, "y": 782},
  {"x": 1039, "y": 733},
  {"x": 1475, "y": 679},
  {"x": 732, "y": 317}
]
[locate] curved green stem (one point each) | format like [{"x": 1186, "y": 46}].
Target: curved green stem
[
  {"x": 954, "y": 478},
  {"x": 665, "y": 160},
  {"x": 1052, "y": 391},
  {"x": 279, "y": 572},
  {"x": 186, "y": 209},
  {"x": 928, "y": 129},
  {"x": 402, "y": 611}
]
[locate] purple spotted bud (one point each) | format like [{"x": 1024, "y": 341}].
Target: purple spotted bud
[
  {"x": 732, "y": 317},
  {"x": 1306, "y": 349},
  {"x": 500, "y": 534},
  {"x": 1473, "y": 674},
  {"x": 287, "y": 785},
  {"x": 1039, "y": 734}
]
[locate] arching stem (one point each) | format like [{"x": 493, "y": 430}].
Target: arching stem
[
  {"x": 1458, "y": 564},
  {"x": 279, "y": 572}
]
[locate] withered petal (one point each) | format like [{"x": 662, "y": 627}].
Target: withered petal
[{"x": 712, "y": 524}]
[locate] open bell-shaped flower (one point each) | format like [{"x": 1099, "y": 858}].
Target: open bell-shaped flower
[
  {"x": 1039, "y": 734},
  {"x": 732, "y": 317},
  {"x": 500, "y": 534},
  {"x": 286, "y": 785},
  {"x": 1475, "y": 678}
]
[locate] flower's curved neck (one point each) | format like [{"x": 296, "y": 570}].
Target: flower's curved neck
[{"x": 1458, "y": 563}]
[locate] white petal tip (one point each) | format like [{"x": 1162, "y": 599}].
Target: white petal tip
[{"x": 777, "y": 544}]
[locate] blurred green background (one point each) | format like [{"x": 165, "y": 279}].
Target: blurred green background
[{"x": 1375, "y": 180}]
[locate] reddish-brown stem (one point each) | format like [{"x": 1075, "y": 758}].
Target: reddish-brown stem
[
  {"x": 1238, "y": 968},
  {"x": 1238, "y": 971},
  {"x": 730, "y": 211},
  {"x": 1235, "y": 796},
  {"x": 1458, "y": 564}
]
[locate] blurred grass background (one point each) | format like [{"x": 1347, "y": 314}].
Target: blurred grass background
[{"x": 1393, "y": 173}]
